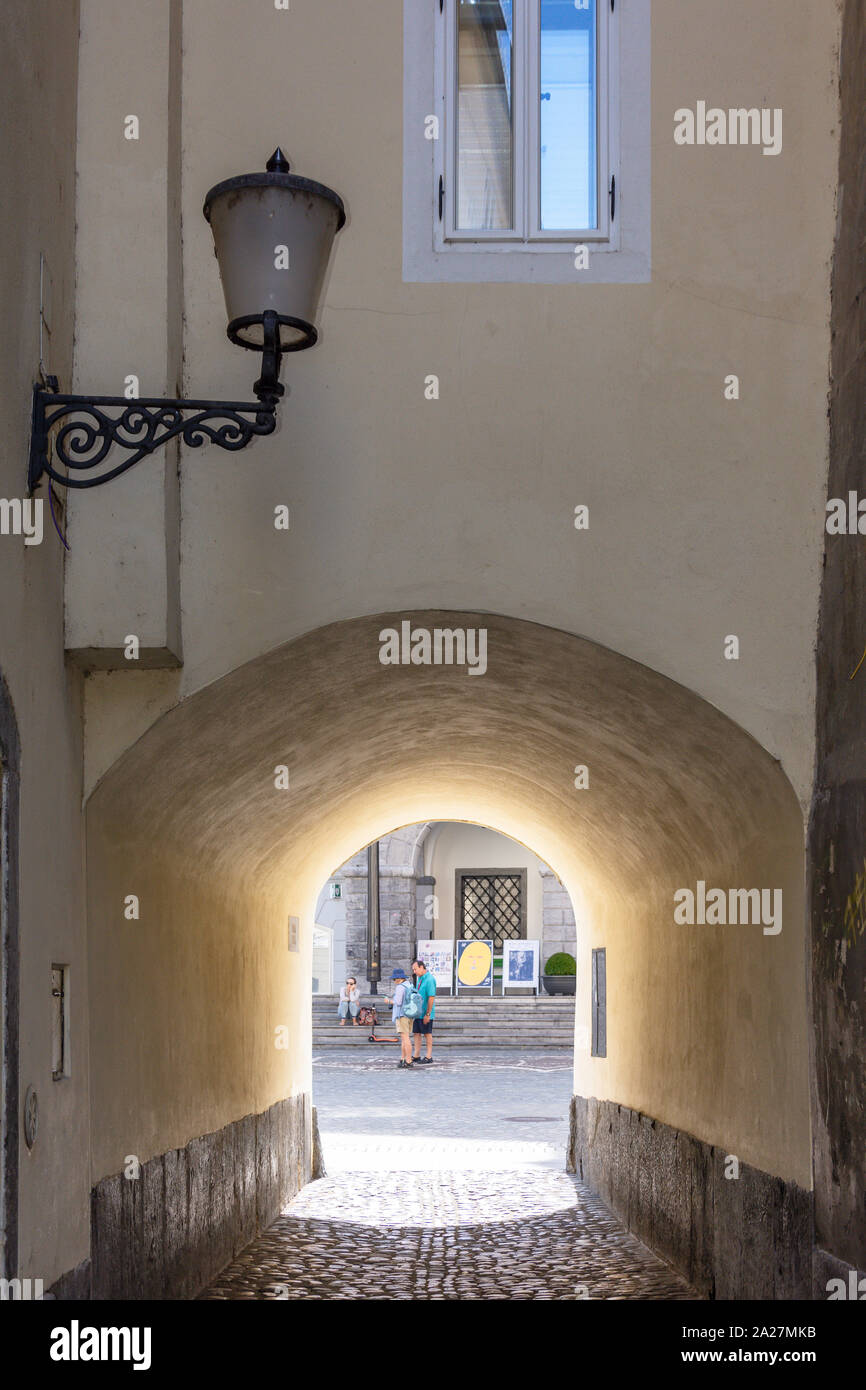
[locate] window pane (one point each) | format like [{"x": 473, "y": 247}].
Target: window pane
[
  {"x": 484, "y": 130},
  {"x": 569, "y": 139}
]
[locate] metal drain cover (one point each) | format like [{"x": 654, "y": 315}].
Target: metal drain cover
[{"x": 531, "y": 1119}]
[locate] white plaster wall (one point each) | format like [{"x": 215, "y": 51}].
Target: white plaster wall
[
  {"x": 331, "y": 913},
  {"x": 476, "y": 847},
  {"x": 37, "y": 170},
  {"x": 706, "y": 516},
  {"x": 188, "y": 999},
  {"x": 123, "y": 570}
]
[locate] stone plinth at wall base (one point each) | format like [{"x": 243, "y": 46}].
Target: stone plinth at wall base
[
  {"x": 167, "y": 1233},
  {"x": 826, "y": 1267},
  {"x": 748, "y": 1237},
  {"x": 74, "y": 1285},
  {"x": 318, "y": 1158}
]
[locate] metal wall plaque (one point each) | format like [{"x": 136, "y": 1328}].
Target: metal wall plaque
[{"x": 599, "y": 1002}]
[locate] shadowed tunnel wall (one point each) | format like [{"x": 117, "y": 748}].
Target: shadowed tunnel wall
[
  {"x": 706, "y": 1024},
  {"x": 837, "y": 833}
]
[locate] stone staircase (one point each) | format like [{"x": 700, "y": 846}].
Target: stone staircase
[{"x": 464, "y": 1021}]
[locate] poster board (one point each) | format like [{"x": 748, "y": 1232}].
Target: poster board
[
  {"x": 474, "y": 965},
  {"x": 438, "y": 956},
  {"x": 520, "y": 961}
]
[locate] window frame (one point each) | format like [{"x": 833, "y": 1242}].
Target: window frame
[
  {"x": 461, "y": 874},
  {"x": 526, "y": 135},
  {"x": 445, "y": 162},
  {"x": 624, "y": 258}
]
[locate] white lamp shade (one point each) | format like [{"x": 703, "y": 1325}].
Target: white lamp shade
[{"x": 273, "y": 234}]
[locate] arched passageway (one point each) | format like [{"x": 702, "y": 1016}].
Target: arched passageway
[
  {"x": 439, "y": 881},
  {"x": 201, "y": 1006}
]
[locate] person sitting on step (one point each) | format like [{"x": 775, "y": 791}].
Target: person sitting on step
[{"x": 350, "y": 1001}]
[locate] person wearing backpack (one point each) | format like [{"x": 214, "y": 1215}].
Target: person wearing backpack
[
  {"x": 423, "y": 1025},
  {"x": 405, "y": 1007}
]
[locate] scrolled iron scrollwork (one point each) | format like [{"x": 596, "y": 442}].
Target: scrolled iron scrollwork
[{"x": 86, "y": 430}]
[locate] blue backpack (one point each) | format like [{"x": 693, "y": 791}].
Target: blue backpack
[{"x": 413, "y": 1004}]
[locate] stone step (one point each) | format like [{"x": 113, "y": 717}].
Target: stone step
[
  {"x": 506, "y": 1044},
  {"x": 500, "y": 1020},
  {"x": 521, "y": 1006},
  {"x": 469, "y": 1001},
  {"x": 467, "y": 1025},
  {"x": 442, "y": 1025},
  {"x": 446, "y": 1006},
  {"x": 532, "y": 1021},
  {"x": 441, "y": 1029},
  {"x": 459, "y": 1034},
  {"x": 463, "y": 1021},
  {"x": 444, "y": 1011}
]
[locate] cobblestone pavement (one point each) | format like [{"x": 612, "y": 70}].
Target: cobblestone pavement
[
  {"x": 435, "y": 1236},
  {"x": 443, "y": 1184}
]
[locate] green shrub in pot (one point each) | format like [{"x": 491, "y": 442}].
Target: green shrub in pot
[
  {"x": 560, "y": 964},
  {"x": 560, "y": 974}
]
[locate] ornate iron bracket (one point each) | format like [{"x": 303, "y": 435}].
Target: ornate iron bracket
[
  {"x": 91, "y": 431},
  {"x": 88, "y": 427}
]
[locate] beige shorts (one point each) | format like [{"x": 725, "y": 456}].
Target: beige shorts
[{"x": 404, "y": 1025}]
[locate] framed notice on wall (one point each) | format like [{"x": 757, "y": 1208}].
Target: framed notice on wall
[
  {"x": 438, "y": 956},
  {"x": 520, "y": 964},
  {"x": 475, "y": 965}
]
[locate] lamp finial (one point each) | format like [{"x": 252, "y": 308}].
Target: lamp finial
[{"x": 277, "y": 164}]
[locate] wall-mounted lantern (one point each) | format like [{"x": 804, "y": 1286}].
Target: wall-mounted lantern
[{"x": 273, "y": 233}]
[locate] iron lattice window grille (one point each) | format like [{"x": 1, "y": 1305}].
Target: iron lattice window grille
[{"x": 491, "y": 905}]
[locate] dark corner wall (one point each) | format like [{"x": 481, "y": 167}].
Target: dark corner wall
[
  {"x": 837, "y": 831},
  {"x": 10, "y": 754}
]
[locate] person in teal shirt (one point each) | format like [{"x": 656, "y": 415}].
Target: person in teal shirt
[{"x": 425, "y": 983}]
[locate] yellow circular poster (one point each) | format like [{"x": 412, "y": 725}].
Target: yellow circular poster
[{"x": 475, "y": 964}]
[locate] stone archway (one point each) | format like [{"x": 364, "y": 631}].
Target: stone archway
[{"x": 225, "y": 818}]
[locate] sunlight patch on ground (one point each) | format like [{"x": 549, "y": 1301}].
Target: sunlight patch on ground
[
  {"x": 347, "y": 1152},
  {"x": 399, "y": 1200}
]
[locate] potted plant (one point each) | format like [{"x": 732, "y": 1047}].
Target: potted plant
[{"x": 560, "y": 974}]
